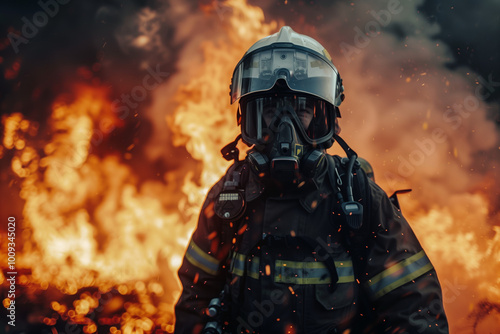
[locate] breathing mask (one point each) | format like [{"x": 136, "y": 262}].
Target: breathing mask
[{"x": 289, "y": 132}]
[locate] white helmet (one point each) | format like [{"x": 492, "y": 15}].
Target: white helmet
[
  {"x": 299, "y": 59},
  {"x": 295, "y": 64}
]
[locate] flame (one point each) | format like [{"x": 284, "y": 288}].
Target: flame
[
  {"x": 62, "y": 229},
  {"x": 90, "y": 222},
  {"x": 464, "y": 249},
  {"x": 203, "y": 102}
]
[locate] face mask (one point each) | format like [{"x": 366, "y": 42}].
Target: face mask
[{"x": 284, "y": 155}]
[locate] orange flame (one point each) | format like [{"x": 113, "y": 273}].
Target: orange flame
[{"x": 87, "y": 222}]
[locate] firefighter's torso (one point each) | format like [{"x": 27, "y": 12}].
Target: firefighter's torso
[{"x": 290, "y": 271}]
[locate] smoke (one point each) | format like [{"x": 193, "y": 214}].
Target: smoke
[
  {"x": 425, "y": 120},
  {"x": 187, "y": 18}
]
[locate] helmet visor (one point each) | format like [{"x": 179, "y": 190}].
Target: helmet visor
[
  {"x": 303, "y": 71},
  {"x": 313, "y": 118}
]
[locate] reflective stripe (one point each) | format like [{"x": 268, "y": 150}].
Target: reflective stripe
[
  {"x": 239, "y": 262},
  {"x": 202, "y": 260},
  {"x": 399, "y": 274},
  {"x": 294, "y": 272},
  {"x": 311, "y": 272}
]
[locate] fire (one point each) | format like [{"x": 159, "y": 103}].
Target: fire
[
  {"x": 105, "y": 246},
  {"x": 203, "y": 102},
  {"x": 62, "y": 230},
  {"x": 465, "y": 251},
  {"x": 87, "y": 222}
]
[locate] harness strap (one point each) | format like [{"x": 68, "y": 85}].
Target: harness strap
[{"x": 356, "y": 240}]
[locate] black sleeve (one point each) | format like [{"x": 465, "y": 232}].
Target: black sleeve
[
  {"x": 203, "y": 271},
  {"x": 400, "y": 280}
]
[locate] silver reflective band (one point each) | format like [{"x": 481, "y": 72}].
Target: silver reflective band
[
  {"x": 303, "y": 72},
  {"x": 197, "y": 257}
]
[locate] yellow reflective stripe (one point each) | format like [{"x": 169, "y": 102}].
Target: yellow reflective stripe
[
  {"x": 344, "y": 271},
  {"x": 346, "y": 279},
  {"x": 408, "y": 278},
  {"x": 296, "y": 272},
  {"x": 398, "y": 274},
  {"x": 238, "y": 264},
  {"x": 299, "y": 265},
  {"x": 254, "y": 269},
  {"x": 306, "y": 265},
  {"x": 396, "y": 267},
  {"x": 197, "y": 257},
  {"x": 303, "y": 280}
]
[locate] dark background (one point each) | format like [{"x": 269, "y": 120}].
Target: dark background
[{"x": 84, "y": 33}]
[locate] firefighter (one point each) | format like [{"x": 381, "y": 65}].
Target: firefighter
[{"x": 291, "y": 239}]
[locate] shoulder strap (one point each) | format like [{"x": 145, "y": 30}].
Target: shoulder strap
[
  {"x": 229, "y": 205},
  {"x": 359, "y": 239},
  {"x": 230, "y": 202},
  {"x": 355, "y": 240}
]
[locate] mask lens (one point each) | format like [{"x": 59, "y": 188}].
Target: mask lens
[
  {"x": 320, "y": 124},
  {"x": 313, "y": 118}
]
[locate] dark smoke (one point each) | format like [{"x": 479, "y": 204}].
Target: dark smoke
[
  {"x": 83, "y": 33},
  {"x": 91, "y": 42}
]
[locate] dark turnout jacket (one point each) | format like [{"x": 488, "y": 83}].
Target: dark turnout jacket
[{"x": 288, "y": 266}]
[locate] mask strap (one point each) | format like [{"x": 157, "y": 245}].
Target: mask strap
[
  {"x": 352, "y": 159},
  {"x": 230, "y": 151},
  {"x": 352, "y": 210}
]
